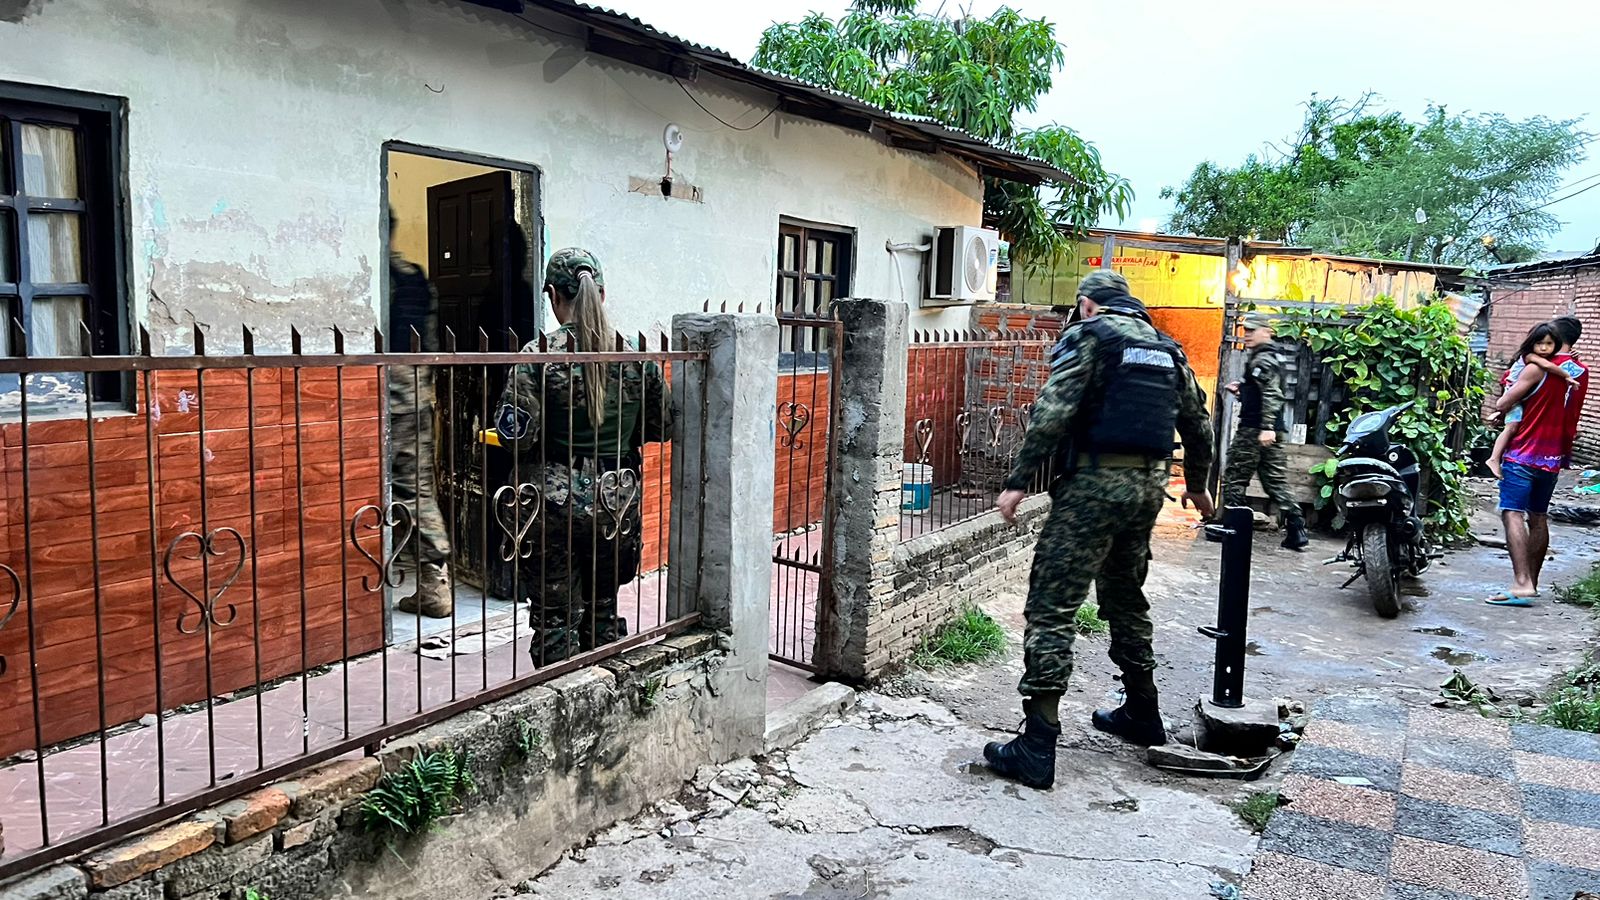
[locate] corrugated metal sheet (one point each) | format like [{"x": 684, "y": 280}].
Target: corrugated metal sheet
[{"x": 818, "y": 102}]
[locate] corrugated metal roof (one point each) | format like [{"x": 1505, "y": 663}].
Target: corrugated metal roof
[
  {"x": 1557, "y": 260},
  {"x": 797, "y": 97}
]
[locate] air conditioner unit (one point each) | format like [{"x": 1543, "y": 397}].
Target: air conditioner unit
[{"x": 963, "y": 266}]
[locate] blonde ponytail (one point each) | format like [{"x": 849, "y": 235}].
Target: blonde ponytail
[{"x": 595, "y": 335}]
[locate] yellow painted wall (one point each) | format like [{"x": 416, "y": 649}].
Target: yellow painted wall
[
  {"x": 1162, "y": 279},
  {"x": 410, "y": 176}
]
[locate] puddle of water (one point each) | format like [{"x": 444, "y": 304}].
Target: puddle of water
[
  {"x": 1453, "y": 657},
  {"x": 1439, "y": 630}
]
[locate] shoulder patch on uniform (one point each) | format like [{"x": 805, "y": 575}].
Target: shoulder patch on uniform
[
  {"x": 1147, "y": 356},
  {"x": 513, "y": 422}
]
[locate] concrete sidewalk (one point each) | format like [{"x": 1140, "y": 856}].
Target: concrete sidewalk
[
  {"x": 1391, "y": 803},
  {"x": 887, "y": 803}
]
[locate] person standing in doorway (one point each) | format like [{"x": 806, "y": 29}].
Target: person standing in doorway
[
  {"x": 1537, "y": 453},
  {"x": 1118, "y": 390},
  {"x": 578, "y": 432},
  {"x": 414, "y": 308},
  {"x": 1256, "y": 448}
]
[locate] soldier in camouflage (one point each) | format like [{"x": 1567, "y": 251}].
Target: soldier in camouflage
[
  {"x": 1118, "y": 390},
  {"x": 1256, "y": 448},
  {"x": 572, "y": 515},
  {"x": 413, "y": 305}
]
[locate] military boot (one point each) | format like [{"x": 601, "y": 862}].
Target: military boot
[
  {"x": 1138, "y": 719},
  {"x": 1295, "y": 537},
  {"x": 434, "y": 597},
  {"x": 1030, "y": 757}
]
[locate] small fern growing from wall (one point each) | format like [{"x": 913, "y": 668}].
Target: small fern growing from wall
[{"x": 425, "y": 790}]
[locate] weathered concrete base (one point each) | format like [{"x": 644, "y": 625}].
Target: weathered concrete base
[
  {"x": 889, "y": 803},
  {"x": 796, "y": 720},
  {"x": 1246, "y": 731}
]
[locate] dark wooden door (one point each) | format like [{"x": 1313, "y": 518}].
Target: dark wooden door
[{"x": 473, "y": 268}]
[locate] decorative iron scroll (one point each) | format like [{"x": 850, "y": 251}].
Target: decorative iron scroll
[
  {"x": 399, "y": 517},
  {"x": 618, "y": 491},
  {"x": 793, "y": 417},
  {"x": 997, "y": 424},
  {"x": 924, "y": 440},
  {"x": 10, "y": 608},
  {"x": 206, "y": 604},
  {"x": 516, "y": 509}
]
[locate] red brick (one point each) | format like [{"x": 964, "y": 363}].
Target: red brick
[
  {"x": 331, "y": 784},
  {"x": 254, "y": 813},
  {"x": 147, "y": 853}
]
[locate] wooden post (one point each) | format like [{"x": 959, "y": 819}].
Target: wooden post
[
  {"x": 1222, "y": 409},
  {"x": 1108, "y": 251}
]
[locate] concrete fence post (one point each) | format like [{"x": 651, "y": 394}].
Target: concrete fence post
[
  {"x": 722, "y": 497},
  {"x": 869, "y": 448}
]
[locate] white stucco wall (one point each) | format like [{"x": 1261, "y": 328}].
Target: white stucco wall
[{"x": 255, "y": 133}]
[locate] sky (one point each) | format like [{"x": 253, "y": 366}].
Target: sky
[{"x": 1160, "y": 86}]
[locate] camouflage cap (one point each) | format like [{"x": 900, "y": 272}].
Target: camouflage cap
[
  {"x": 564, "y": 266},
  {"x": 1255, "y": 320},
  {"x": 1102, "y": 281}
]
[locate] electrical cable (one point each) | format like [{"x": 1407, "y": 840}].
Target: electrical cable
[{"x": 713, "y": 115}]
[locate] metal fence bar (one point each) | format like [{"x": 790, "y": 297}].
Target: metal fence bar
[
  {"x": 207, "y": 460},
  {"x": 969, "y": 438}
]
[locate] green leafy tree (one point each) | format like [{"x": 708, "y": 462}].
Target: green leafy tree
[
  {"x": 972, "y": 73},
  {"x": 1352, "y": 180},
  {"x": 1273, "y": 196},
  {"x": 1385, "y": 356},
  {"x": 1482, "y": 182}
]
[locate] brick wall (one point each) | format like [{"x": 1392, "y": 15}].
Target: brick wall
[
  {"x": 1524, "y": 300},
  {"x": 67, "y": 555},
  {"x": 929, "y": 580}
]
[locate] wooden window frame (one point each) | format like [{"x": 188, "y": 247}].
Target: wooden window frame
[
  {"x": 99, "y": 122},
  {"x": 843, "y": 241}
]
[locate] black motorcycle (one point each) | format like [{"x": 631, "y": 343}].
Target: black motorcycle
[{"x": 1377, "y": 484}]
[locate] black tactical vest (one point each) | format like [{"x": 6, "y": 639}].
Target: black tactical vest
[
  {"x": 1136, "y": 410},
  {"x": 1250, "y": 402}
]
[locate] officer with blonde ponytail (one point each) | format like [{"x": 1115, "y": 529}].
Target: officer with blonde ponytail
[{"x": 578, "y": 431}]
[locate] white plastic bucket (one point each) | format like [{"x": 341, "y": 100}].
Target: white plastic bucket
[{"x": 916, "y": 487}]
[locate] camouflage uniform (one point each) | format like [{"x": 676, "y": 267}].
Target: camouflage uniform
[
  {"x": 1246, "y": 455},
  {"x": 1100, "y": 519},
  {"x": 411, "y": 413},
  {"x": 581, "y": 491}
]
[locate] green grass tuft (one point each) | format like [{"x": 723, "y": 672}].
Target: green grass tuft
[
  {"x": 1575, "y": 705},
  {"x": 972, "y": 638},
  {"x": 1087, "y": 620},
  {"x": 1256, "y": 810},
  {"x": 1583, "y": 592}
]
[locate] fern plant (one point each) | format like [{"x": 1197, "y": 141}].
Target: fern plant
[{"x": 425, "y": 790}]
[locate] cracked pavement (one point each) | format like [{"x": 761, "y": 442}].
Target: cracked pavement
[{"x": 889, "y": 802}]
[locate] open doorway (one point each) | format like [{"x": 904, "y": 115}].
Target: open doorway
[{"x": 472, "y": 225}]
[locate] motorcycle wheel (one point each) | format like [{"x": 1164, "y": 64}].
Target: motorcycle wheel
[{"x": 1380, "y": 573}]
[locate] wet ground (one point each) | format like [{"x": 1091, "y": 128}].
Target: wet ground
[{"x": 888, "y": 803}]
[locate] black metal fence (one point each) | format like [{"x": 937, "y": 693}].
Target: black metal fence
[
  {"x": 969, "y": 402},
  {"x": 201, "y": 558}
]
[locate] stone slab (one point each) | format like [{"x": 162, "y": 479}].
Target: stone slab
[
  {"x": 147, "y": 853},
  {"x": 1454, "y": 825},
  {"x": 1556, "y": 742},
  {"x": 59, "y": 883},
  {"x": 1331, "y": 843},
  {"x": 1247, "y": 730},
  {"x": 792, "y": 722}
]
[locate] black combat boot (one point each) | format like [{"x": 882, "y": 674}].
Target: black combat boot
[
  {"x": 1295, "y": 537},
  {"x": 1030, "y": 757},
  {"x": 1138, "y": 719}
]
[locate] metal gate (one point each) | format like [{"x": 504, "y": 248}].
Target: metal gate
[{"x": 803, "y": 509}]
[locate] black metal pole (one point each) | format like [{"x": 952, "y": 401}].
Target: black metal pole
[{"x": 1233, "y": 607}]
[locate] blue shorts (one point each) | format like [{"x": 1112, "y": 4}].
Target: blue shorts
[{"x": 1525, "y": 489}]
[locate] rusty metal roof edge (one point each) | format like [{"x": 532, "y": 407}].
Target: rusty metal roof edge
[{"x": 954, "y": 140}]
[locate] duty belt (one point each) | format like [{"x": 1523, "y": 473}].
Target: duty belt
[{"x": 1117, "y": 461}]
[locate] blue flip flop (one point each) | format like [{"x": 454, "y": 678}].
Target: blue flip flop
[{"x": 1507, "y": 598}]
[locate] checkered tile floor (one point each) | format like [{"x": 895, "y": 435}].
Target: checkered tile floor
[{"x": 1387, "y": 803}]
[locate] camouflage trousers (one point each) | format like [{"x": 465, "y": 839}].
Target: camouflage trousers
[
  {"x": 1098, "y": 533},
  {"x": 411, "y": 460},
  {"x": 583, "y": 554},
  {"x": 1248, "y": 458}
]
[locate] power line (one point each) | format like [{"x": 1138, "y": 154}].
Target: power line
[{"x": 686, "y": 93}]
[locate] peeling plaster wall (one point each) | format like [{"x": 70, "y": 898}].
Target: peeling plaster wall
[{"x": 255, "y": 133}]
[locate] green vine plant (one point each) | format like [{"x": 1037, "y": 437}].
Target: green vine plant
[
  {"x": 412, "y": 799},
  {"x": 1385, "y": 355}
]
